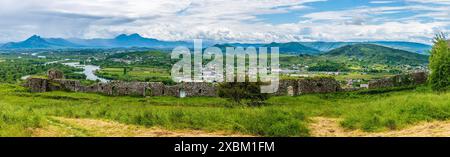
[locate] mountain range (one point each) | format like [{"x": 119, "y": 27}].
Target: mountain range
[
  {"x": 36, "y": 42},
  {"x": 121, "y": 41},
  {"x": 135, "y": 40},
  {"x": 407, "y": 46},
  {"x": 375, "y": 54},
  {"x": 293, "y": 48}
]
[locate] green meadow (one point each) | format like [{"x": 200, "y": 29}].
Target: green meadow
[
  {"x": 370, "y": 111},
  {"x": 135, "y": 74}
]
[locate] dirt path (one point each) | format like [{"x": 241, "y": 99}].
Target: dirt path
[
  {"x": 68, "y": 127},
  {"x": 329, "y": 127},
  {"x": 320, "y": 127}
]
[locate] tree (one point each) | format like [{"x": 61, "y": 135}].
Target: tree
[
  {"x": 125, "y": 70},
  {"x": 239, "y": 91},
  {"x": 440, "y": 64}
]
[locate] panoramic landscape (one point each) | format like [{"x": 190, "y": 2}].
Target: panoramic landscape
[{"x": 362, "y": 69}]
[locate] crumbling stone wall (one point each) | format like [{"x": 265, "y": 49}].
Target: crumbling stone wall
[
  {"x": 62, "y": 84},
  {"x": 308, "y": 86},
  {"x": 285, "y": 87},
  {"x": 55, "y": 74},
  {"x": 198, "y": 89},
  {"x": 318, "y": 85},
  {"x": 190, "y": 89},
  {"x": 119, "y": 88},
  {"x": 155, "y": 89},
  {"x": 37, "y": 84},
  {"x": 400, "y": 80}
]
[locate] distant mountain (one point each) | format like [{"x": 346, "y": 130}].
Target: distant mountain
[
  {"x": 326, "y": 46},
  {"x": 293, "y": 48},
  {"x": 133, "y": 40},
  {"x": 225, "y": 45},
  {"x": 59, "y": 42},
  {"x": 32, "y": 43},
  {"x": 407, "y": 46},
  {"x": 284, "y": 48},
  {"x": 121, "y": 41},
  {"x": 371, "y": 53},
  {"x": 321, "y": 47}
]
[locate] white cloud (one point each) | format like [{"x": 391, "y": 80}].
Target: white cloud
[
  {"x": 446, "y": 2},
  {"x": 375, "y": 23},
  {"x": 381, "y": 2},
  {"x": 222, "y": 20},
  {"x": 169, "y": 20}
]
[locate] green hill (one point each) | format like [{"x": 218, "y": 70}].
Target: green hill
[
  {"x": 376, "y": 54},
  {"x": 407, "y": 46}
]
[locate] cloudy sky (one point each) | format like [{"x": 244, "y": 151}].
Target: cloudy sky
[{"x": 227, "y": 20}]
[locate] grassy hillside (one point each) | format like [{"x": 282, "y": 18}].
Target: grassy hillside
[
  {"x": 377, "y": 55},
  {"x": 407, "y": 46},
  {"x": 21, "y": 112}
]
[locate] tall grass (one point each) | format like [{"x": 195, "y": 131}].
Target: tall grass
[
  {"x": 22, "y": 111},
  {"x": 16, "y": 122},
  {"x": 210, "y": 114},
  {"x": 398, "y": 111}
]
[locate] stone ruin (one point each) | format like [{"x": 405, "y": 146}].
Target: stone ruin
[
  {"x": 55, "y": 74},
  {"x": 56, "y": 82},
  {"x": 308, "y": 86},
  {"x": 119, "y": 88},
  {"x": 400, "y": 80}
]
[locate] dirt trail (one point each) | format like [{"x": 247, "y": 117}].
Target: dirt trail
[
  {"x": 320, "y": 127},
  {"x": 329, "y": 127},
  {"x": 69, "y": 127}
]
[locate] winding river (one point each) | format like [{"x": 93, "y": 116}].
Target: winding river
[{"x": 89, "y": 71}]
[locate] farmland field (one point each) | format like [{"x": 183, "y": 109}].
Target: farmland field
[{"x": 135, "y": 74}]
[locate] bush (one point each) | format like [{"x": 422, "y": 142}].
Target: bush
[
  {"x": 440, "y": 64},
  {"x": 243, "y": 91}
]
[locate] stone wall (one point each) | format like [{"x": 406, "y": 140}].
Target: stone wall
[
  {"x": 119, "y": 88},
  {"x": 308, "y": 86},
  {"x": 400, "y": 80},
  {"x": 318, "y": 85},
  {"x": 37, "y": 84},
  {"x": 286, "y": 87},
  {"x": 189, "y": 89},
  {"x": 55, "y": 74}
]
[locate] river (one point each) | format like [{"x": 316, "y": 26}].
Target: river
[{"x": 89, "y": 71}]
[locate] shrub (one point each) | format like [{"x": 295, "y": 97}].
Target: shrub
[
  {"x": 440, "y": 64},
  {"x": 239, "y": 91}
]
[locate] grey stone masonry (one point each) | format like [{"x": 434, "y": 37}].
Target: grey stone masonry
[{"x": 56, "y": 81}]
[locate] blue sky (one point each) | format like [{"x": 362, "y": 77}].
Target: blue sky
[
  {"x": 395, "y": 13},
  {"x": 227, "y": 20}
]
